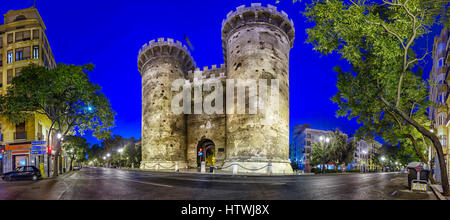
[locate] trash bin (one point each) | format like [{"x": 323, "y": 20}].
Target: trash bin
[
  {"x": 211, "y": 169},
  {"x": 418, "y": 176}
]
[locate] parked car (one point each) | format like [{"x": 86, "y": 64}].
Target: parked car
[
  {"x": 76, "y": 168},
  {"x": 23, "y": 173}
]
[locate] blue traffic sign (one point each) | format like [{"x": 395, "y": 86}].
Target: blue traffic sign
[
  {"x": 38, "y": 148},
  {"x": 36, "y": 143},
  {"x": 38, "y": 152}
]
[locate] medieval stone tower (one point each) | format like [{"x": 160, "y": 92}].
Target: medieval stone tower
[{"x": 256, "y": 45}]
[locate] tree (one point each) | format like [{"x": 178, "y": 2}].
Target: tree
[
  {"x": 77, "y": 148},
  {"x": 377, "y": 38},
  {"x": 320, "y": 154},
  {"x": 133, "y": 153},
  {"x": 96, "y": 154},
  {"x": 66, "y": 96}
]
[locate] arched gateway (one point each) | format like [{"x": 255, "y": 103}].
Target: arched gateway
[{"x": 206, "y": 152}]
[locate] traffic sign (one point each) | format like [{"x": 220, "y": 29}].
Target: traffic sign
[
  {"x": 38, "y": 143},
  {"x": 34, "y": 152},
  {"x": 39, "y": 148}
]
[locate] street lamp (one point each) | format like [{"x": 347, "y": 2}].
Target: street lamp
[
  {"x": 59, "y": 136},
  {"x": 327, "y": 140},
  {"x": 120, "y": 150},
  {"x": 365, "y": 160},
  {"x": 383, "y": 159}
]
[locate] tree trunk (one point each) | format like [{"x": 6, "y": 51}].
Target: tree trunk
[
  {"x": 419, "y": 153},
  {"x": 434, "y": 139},
  {"x": 57, "y": 152}
]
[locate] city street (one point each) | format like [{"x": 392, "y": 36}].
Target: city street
[{"x": 113, "y": 184}]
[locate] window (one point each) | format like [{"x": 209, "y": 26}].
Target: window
[
  {"x": 27, "y": 53},
  {"x": 19, "y": 36},
  {"x": 26, "y": 35},
  {"x": 18, "y": 72},
  {"x": 23, "y": 36},
  {"x": 20, "y": 18},
  {"x": 1, "y": 79},
  {"x": 35, "y": 34},
  {"x": 20, "y": 131},
  {"x": 10, "y": 56},
  {"x": 1, "y": 41},
  {"x": 1, "y": 59},
  {"x": 36, "y": 52},
  {"x": 19, "y": 54},
  {"x": 441, "y": 62},
  {"x": 10, "y": 38},
  {"x": 9, "y": 76}
]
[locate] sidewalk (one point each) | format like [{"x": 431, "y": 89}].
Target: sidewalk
[
  {"x": 437, "y": 190},
  {"x": 229, "y": 173}
]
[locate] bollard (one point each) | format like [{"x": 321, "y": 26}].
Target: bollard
[
  {"x": 269, "y": 168},
  {"x": 176, "y": 167},
  {"x": 235, "y": 168},
  {"x": 157, "y": 166},
  {"x": 203, "y": 168}
]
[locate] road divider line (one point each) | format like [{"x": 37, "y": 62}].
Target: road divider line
[{"x": 148, "y": 183}]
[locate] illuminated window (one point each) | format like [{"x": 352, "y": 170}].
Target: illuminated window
[
  {"x": 36, "y": 52},
  {"x": 441, "y": 62},
  {"x": 10, "y": 56}
]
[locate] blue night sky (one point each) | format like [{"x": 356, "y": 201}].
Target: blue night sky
[{"x": 110, "y": 33}]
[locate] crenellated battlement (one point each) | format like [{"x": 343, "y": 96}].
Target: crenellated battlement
[
  {"x": 163, "y": 47},
  {"x": 257, "y": 13},
  {"x": 214, "y": 72}
]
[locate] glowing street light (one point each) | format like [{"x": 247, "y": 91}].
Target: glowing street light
[
  {"x": 59, "y": 136},
  {"x": 120, "y": 150},
  {"x": 108, "y": 155},
  {"x": 383, "y": 159}
]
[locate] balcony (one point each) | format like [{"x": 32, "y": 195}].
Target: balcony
[{"x": 20, "y": 135}]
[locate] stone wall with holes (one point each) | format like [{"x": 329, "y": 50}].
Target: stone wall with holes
[
  {"x": 259, "y": 50},
  {"x": 163, "y": 132}
]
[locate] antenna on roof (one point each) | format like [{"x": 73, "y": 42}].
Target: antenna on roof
[{"x": 34, "y": 4}]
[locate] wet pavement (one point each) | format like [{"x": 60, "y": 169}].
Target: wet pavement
[{"x": 113, "y": 184}]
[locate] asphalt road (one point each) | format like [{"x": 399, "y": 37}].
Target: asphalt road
[{"x": 112, "y": 184}]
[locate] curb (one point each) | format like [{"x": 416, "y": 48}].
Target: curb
[{"x": 437, "y": 193}]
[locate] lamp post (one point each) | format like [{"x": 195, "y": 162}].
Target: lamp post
[
  {"x": 327, "y": 140},
  {"x": 382, "y": 160},
  {"x": 120, "y": 157},
  {"x": 365, "y": 160}
]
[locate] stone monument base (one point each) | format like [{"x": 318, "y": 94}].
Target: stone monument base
[
  {"x": 163, "y": 165},
  {"x": 258, "y": 167}
]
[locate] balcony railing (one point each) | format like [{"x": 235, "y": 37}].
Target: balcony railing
[{"x": 20, "y": 135}]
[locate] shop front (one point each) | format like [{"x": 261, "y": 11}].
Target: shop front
[{"x": 17, "y": 155}]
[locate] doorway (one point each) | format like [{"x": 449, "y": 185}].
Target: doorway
[{"x": 206, "y": 152}]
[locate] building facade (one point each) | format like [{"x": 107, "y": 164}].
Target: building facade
[
  {"x": 301, "y": 146},
  {"x": 23, "y": 41},
  {"x": 364, "y": 158},
  {"x": 439, "y": 96},
  {"x": 256, "y": 45}
]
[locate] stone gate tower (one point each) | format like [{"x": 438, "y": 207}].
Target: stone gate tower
[
  {"x": 163, "y": 132},
  {"x": 256, "y": 41}
]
